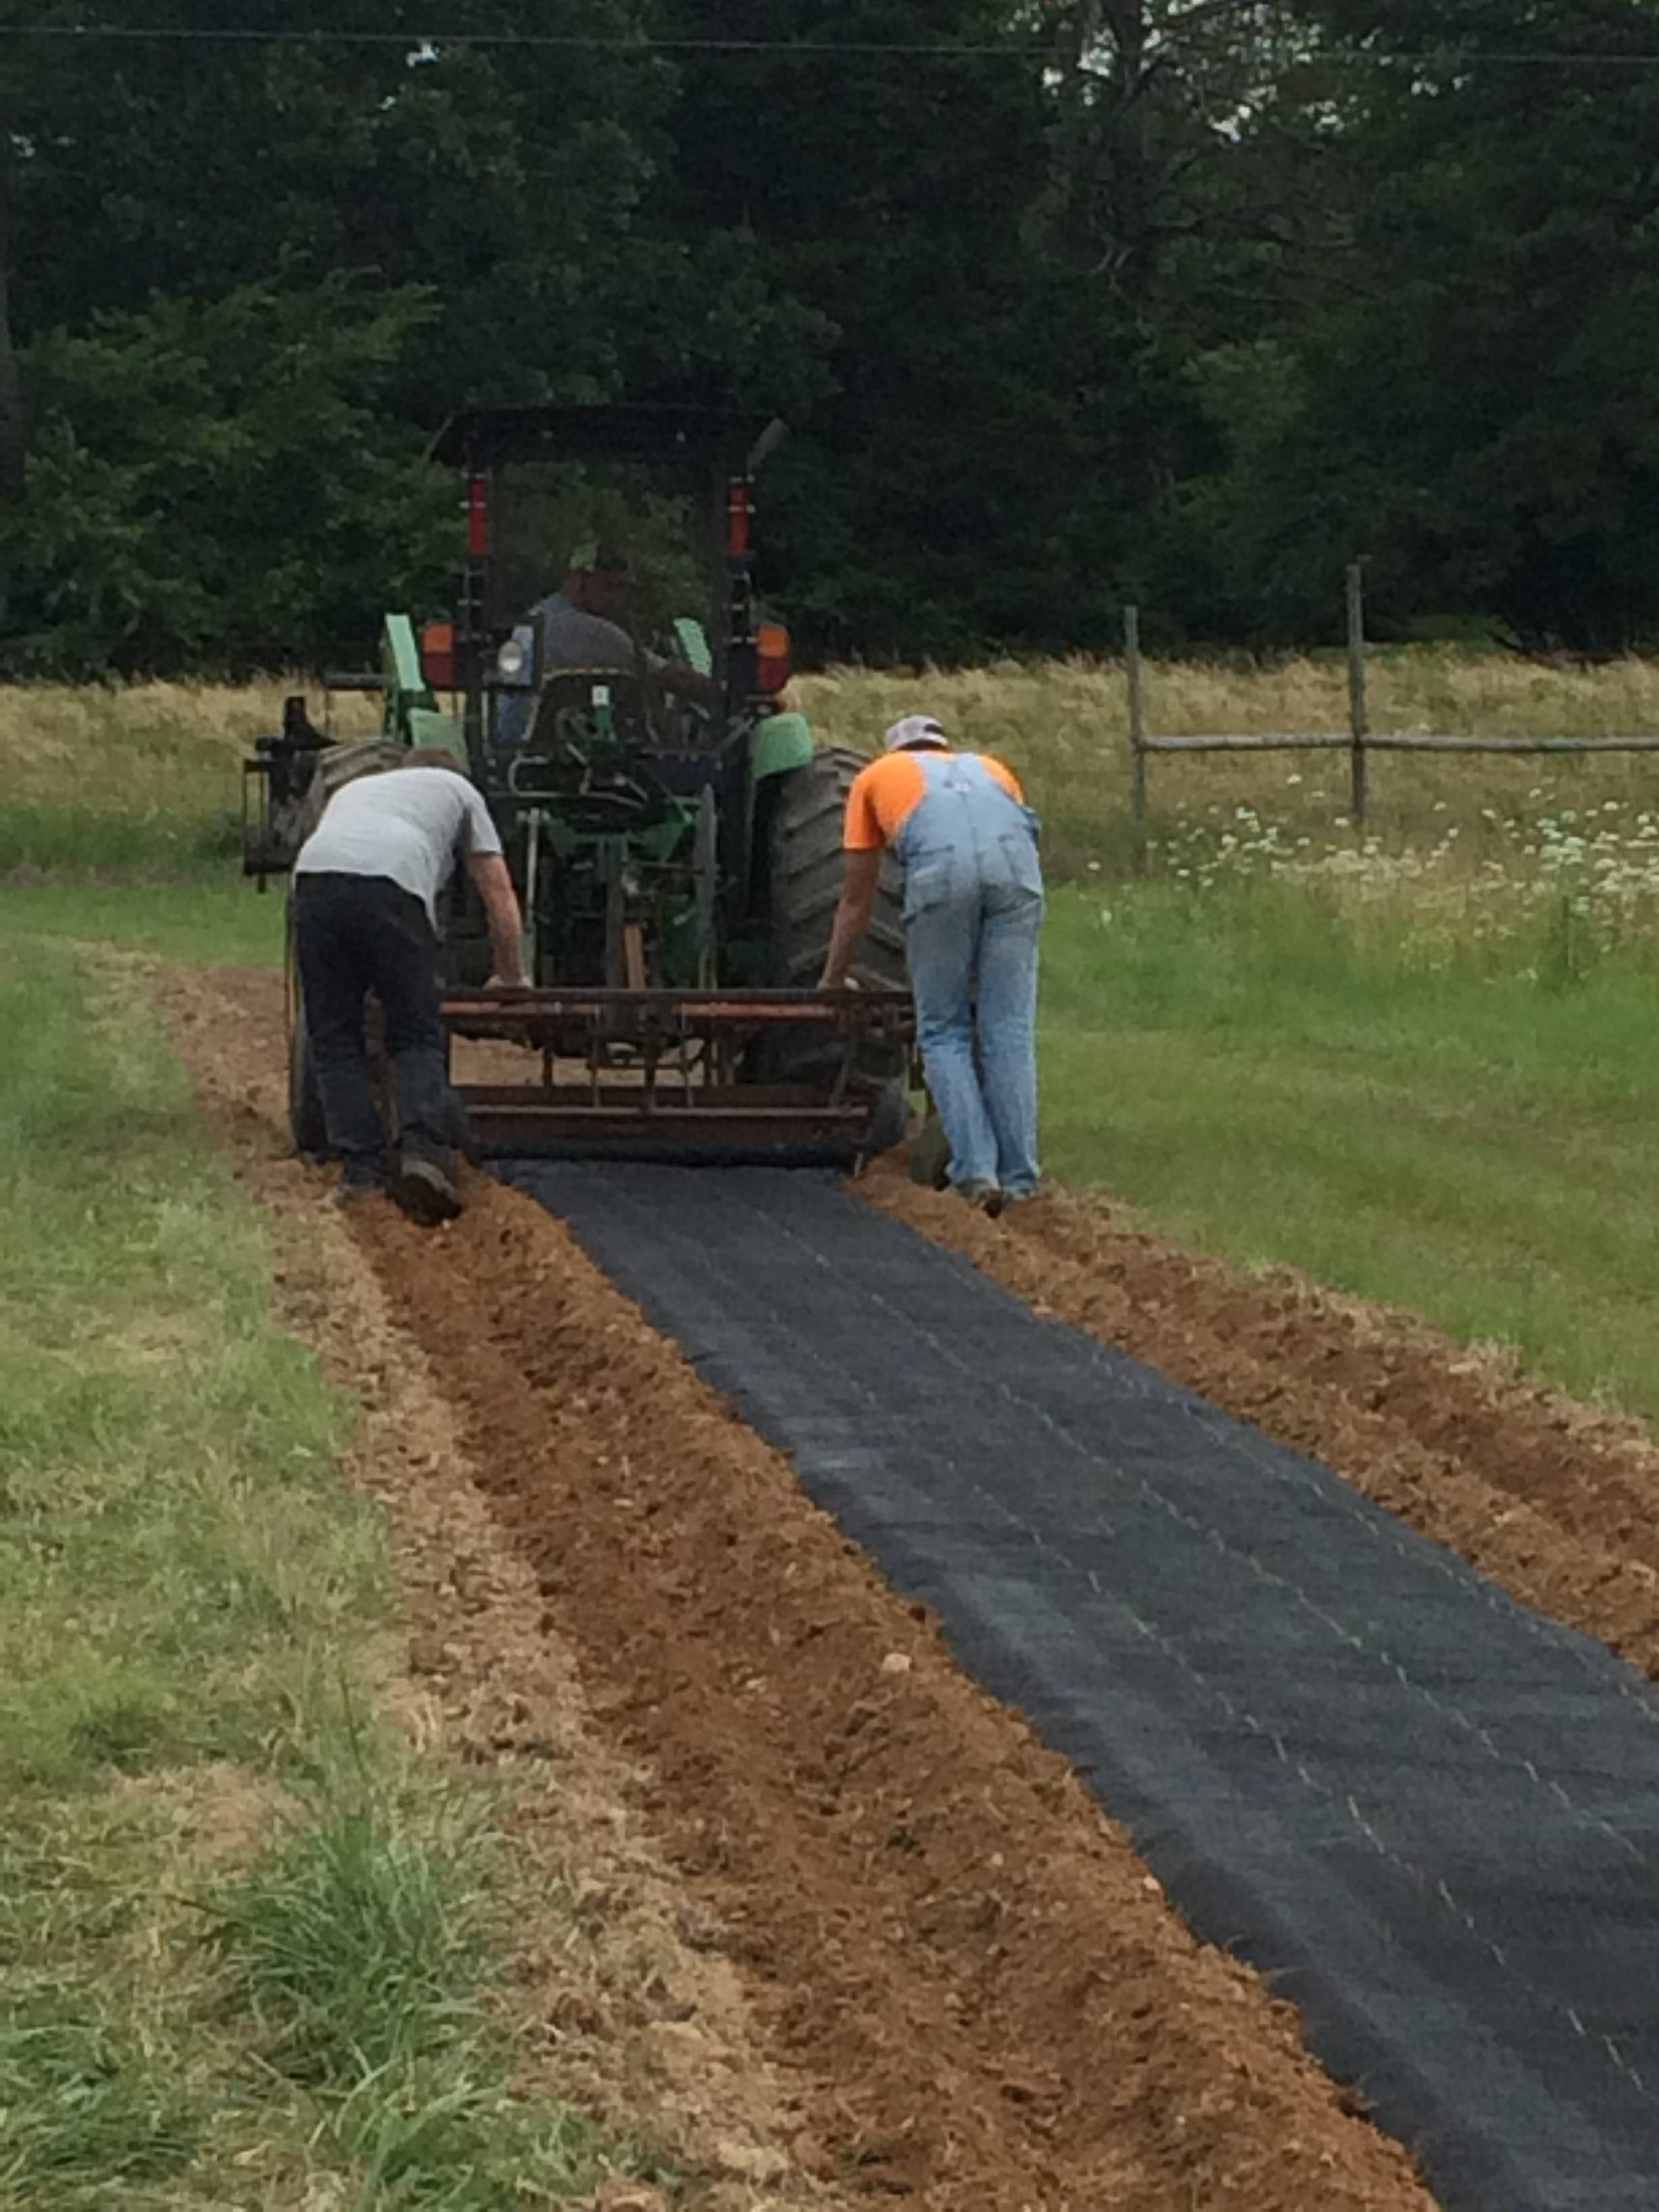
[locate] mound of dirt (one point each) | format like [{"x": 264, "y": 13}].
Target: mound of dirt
[{"x": 969, "y": 1990}]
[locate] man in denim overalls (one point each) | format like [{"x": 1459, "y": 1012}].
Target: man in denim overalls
[{"x": 958, "y": 824}]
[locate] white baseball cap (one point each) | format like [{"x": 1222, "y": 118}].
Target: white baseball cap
[{"x": 914, "y": 732}]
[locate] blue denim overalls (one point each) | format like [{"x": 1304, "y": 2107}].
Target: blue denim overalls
[{"x": 972, "y": 912}]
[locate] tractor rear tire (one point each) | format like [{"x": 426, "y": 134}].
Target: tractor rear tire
[
  {"x": 805, "y": 815},
  {"x": 889, "y": 1116}
]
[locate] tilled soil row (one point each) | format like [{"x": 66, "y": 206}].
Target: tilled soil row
[
  {"x": 992, "y": 2001},
  {"x": 1554, "y": 1501},
  {"x": 966, "y": 1989},
  {"x": 619, "y": 1995}
]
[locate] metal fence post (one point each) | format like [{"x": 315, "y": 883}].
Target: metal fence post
[
  {"x": 1358, "y": 726},
  {"x": 1137, "y": 732}
]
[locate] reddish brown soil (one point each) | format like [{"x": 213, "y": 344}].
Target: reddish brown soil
[
  {"x": 969, "y": 1994},
  {"x": 620, "y": 1996}
]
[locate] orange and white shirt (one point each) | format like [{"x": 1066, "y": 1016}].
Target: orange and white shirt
[{"x": 892, "y": 799}]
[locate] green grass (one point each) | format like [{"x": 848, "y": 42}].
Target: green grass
[
  {"x": 245, "y": 1936},
  {"x": 200, "y": 924},
  {"x": 123, "y": 781},
  {"x": 1466, "y": 1133},
  {"x": 361, "y": 1953},
  {"x": 74, "y": 840},
  {"x": 145, "y": 781}
]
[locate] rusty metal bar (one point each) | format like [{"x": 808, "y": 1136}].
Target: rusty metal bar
[
  {"x": 647, "y": 1031},
  {"x": 526, "y": 1111},
  {"x": 861, "y": 1007},
  {"x": 574, "y": 1023},
  {"x": 524, "y": 1123},
  {"x": 618, "y": 1097}
]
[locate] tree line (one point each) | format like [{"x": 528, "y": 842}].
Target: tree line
[{"x": 1068, "y": 302}]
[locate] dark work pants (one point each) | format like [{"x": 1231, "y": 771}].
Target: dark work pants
[{"x": 354, "y": 935}]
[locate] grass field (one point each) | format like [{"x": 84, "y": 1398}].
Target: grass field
[
  {"x": 1416, "y": 1060},
  {"x": 1264, "y": 1076},
  {"x": 247, "y": 1936},
  {"x": 144, "y": 780},
  {"x": 196, "y": 920},
  {"x": 148, "y": 780}
]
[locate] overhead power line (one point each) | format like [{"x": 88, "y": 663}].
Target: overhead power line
[
  {"x": 427, "y": 46},
  {"x": 586, "y": 42}
]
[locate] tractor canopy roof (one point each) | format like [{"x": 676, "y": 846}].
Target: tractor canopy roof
[{"x": 731, "y": 440}]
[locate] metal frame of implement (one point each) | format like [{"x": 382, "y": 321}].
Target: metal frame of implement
[{"x": 665, "y": 1066}]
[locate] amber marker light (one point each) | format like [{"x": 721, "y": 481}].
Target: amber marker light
[{"x": 771, "y": 658}]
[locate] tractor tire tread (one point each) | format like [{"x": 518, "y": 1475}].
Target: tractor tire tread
[{"x": 804, "y": 869}]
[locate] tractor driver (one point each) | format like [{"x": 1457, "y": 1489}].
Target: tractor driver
[{"x": 584, "y": 625}]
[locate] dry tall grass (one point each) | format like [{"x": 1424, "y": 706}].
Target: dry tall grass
[
  {"x": 114, "y": 776},
  {"x": 135, "y": 744},
  {"x": 1065, "y": 726},
  {"x": 143, "y": 776}
]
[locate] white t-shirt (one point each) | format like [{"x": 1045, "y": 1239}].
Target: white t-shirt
[{"x": 409, "y": 823}]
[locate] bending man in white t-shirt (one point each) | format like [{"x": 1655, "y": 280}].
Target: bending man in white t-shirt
[{"x": 366, "y": 883}]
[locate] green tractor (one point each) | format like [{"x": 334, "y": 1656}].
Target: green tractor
[{"x": 674, "y": 831}]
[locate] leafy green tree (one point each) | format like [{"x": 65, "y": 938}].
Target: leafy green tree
[
  {"x": 505, "y": 179},
  {"x": 1473, "y": 399},
  {"x": 1017, "y": 253},
  {"x": 1166, "y": 143},
  {"x": 221, "y": 486},
  {"x": 12, "y": 436},
  {"x": 1065, "y": 300},
  {"x": 887, "y": 194},
  {"x": 170, "y": 187}
]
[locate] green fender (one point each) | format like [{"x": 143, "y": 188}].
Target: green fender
[
  {"x": 693, "y": 644},
  {"x": 413, "y": 716},
  {"x": 781, "y": 742}
]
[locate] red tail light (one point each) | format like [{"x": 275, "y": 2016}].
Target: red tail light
[
  {"x": 477, "y": 517},
  {"x": 438, "y": 655},
  {"x": 738, "y": 520},
  {"x": 771, "y": 658}
]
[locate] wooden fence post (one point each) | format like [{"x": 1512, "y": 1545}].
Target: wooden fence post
[
  {"x": 1137, "y": 732},
  {"x": 1358, "y": 726}
]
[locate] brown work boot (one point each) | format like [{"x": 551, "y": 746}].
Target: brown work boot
[{"x": 426, "y": 1188}]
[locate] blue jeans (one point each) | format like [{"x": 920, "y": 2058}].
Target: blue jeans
[{"x": 973, "y": 954}]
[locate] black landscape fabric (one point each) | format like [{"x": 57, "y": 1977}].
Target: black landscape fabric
[{"x": 1429, "y": 1816}]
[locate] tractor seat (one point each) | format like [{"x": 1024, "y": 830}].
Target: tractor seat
[{"x": 594, "y": 715}]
